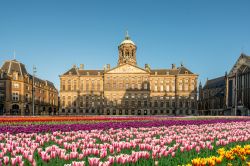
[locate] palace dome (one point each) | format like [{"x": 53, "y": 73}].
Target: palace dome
[{"x": 127, "y": 40}]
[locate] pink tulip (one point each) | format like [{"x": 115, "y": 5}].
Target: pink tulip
[
  {"x": 81, "y": 156},
  {"x": 6, "y": 160},
  {"x": 197, "y": 149},
  {"x": 111, "y": 159},
  {"x": 30, "y": 158},
  {"x": 21, "y": 163},
  {"x": 13, "y": 161},
  {"x": 1, "y": 154},
  {"x": 93, "y": 161}
]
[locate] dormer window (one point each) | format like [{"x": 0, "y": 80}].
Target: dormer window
[
  {"x": 15, "y": 76},
  {"x": 186, "y": 72}
]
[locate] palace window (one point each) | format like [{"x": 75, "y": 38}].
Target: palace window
[
  {"x": 186, "y": 87},
  {"x": 161, "y": 88},
  {"x": 173, "y": 104},
  {"x": 139, "y": 103},
  {"x": 192, "y": 87},
  {"x": 145, "y": 86},
  {"x": 133, "y": 86},
  {"x": 132, "y": 103},
  {"x": 87, "y": 86},
  {"x": 69, "y": 85},
  {"x": 63, "y": 101},
  {"x": 180, "y": 86},
  {"x": 98, "y": 86},
  {"x": 167, "y": 88},
  {"x": 74, "y": 103},
  {"x": 63, "y": 85},
  {"x": 127, "y": 86},
  {"x": 155, "y": 89},
  {"x": 69, "y": 101},
  {"x": 181, "y": 104},
  {"x": 162, "y": 104},
  {"x": 167, "y": 104},
  {"x": 155, "y": 104},
  {"x": 92, "y": 84},
  {"x": 173, "y": 88},
  {"x": 126, "y": 103},
  {"x": 82, "y": 85}
]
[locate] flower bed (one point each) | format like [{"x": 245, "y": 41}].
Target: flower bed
[{"x": 133, "y": 141}]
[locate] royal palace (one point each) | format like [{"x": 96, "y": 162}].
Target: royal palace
[{"x": 128, "y": 89}]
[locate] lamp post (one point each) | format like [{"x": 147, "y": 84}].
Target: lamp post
[{"x": 33, "y": 91}]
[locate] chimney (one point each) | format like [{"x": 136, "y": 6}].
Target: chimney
[
  {"x": 81, "y": 66},
  {"x": 173, "y": 66}
]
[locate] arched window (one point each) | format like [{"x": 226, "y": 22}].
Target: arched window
[{"x": 127, "y": 54}]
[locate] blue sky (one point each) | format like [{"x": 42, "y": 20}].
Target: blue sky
[{"x": 206, "y": 35}]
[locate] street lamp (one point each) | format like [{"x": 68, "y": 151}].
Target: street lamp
[{"x": 33, "y": 91}]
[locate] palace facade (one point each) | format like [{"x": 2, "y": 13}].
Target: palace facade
[
  {"x": 16, "y": 86},
  {"x": 128, "y": 89}
]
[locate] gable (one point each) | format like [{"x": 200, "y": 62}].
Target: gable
[
  {"x": 127, "y": 69},
  {"x": 241, "y": 63}
]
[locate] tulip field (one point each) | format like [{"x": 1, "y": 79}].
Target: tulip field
[{"x": 125, "y": 140}]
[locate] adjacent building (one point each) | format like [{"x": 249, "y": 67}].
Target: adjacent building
[
  {"x": 128, "y": 89},
  {"x": 238, "y": 87},
  {"x": 229, "y": 94},
  {"x": 212, "y": 99},
  {"x": 16, "y": 86}
]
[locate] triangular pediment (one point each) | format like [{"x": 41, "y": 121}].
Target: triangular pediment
[{"x": 127, "y": 68}]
